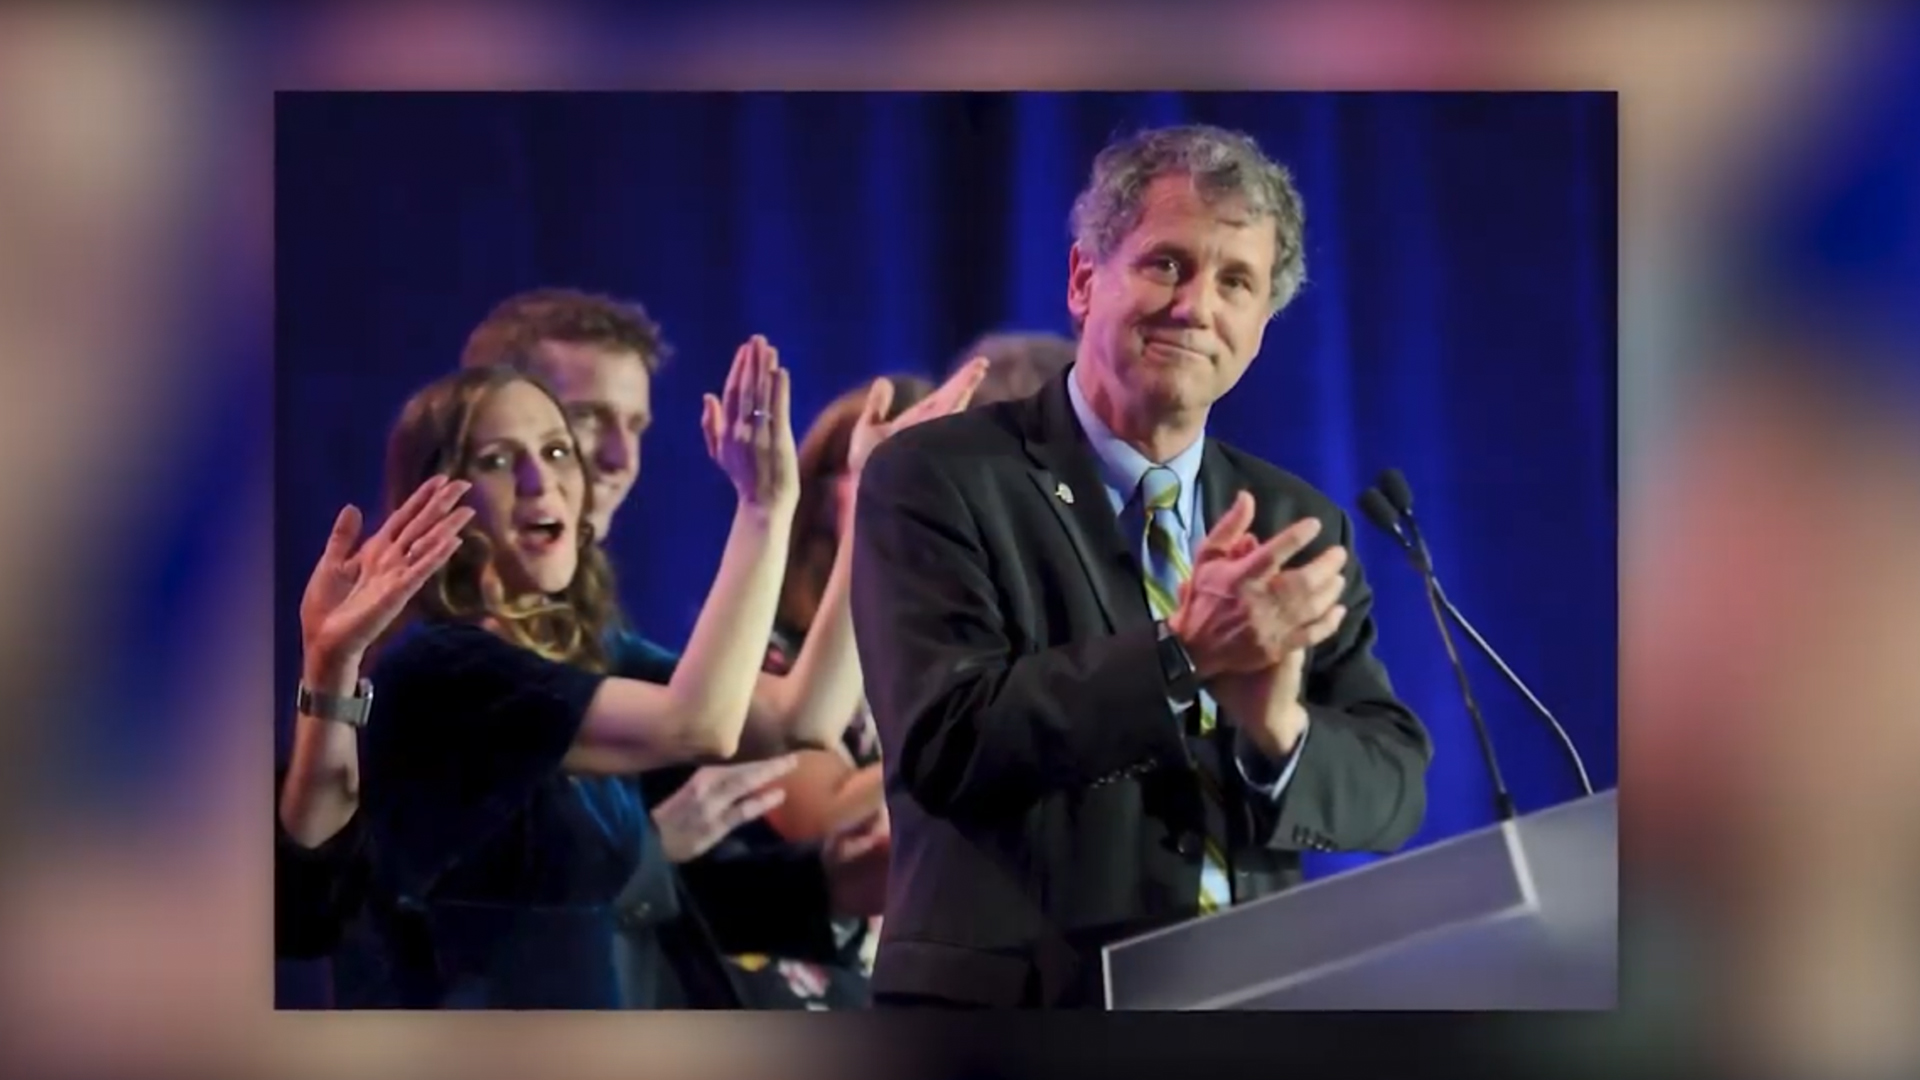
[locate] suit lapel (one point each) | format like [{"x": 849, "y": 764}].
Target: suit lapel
[
  {"x": 1220, "y": 481},
  {"x": 1067, "y": 480}
]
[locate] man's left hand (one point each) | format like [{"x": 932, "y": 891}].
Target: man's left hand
[{"x": 1266, "y": 704}]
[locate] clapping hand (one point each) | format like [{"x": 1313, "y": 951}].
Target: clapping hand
[
  {"x": 716, "y": 800},
  {"x": 749, "y": 428},
  {"x": 1248, "y": 621},
  {"x": 873, "y": 427},
  {"x": 355, "y": 594}
]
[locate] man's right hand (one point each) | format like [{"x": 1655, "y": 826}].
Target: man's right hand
[{"x": 1240, "y": 611}]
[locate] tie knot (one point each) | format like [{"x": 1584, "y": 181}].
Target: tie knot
[{"x": 1160, "y": 488}]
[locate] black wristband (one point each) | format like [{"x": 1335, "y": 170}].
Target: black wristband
[{"x": 1176, "y": 666}]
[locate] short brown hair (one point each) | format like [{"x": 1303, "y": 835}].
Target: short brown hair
[{"x": 518, "y": 324}]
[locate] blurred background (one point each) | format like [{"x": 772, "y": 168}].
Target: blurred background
[{"x": 1769, "y": 597}]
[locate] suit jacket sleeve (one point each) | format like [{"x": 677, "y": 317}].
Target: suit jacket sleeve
[
  {"x": 969, "y": 727},
  {"x": 1359, "y": 783}
]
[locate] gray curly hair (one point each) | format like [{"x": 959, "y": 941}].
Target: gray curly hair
[{"x": 1223, "y": 164}]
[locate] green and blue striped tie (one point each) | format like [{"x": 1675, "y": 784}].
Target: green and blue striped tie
[{"x": 1167, "y": 569}]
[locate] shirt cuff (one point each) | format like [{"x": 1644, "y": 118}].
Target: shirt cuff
[{"x": 1263, "y": 774}]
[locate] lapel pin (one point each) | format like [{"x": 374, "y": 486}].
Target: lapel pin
[{"x": 1063, "y": 493}]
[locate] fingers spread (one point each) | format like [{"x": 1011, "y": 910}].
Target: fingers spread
[
  {"x": 427, "y": 489},
  {"x": 960, "y": 389},
  {"x": 738, "y": 377},
  {"x": 1323, "y": 573},
  {"x": 346, "y": 530},
  {"x": 1239, "y": 547},
  {"x": 733, "y": 781},
  {"x": 1283, "y": 545},
  {"x": 753, "y": 807},
  {"x": 713, "y": 424},
  {"x": 434, "y": 513},
  {"x": 1232, "y": 524},
  {"x": 879, "y": 400},
  {"x": 447, "y": 528},
  {"x": 1319, "y": 630},
  {"x": 431, "y": 557},
  {"x": 782, "y": 400},
  {"x": 763, "y": 376}
]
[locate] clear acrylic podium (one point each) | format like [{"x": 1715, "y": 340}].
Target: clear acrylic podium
[{"x": 1521, "y": 915}]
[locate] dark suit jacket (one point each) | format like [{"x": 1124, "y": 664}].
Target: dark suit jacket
[{"x": 1045, "y": 800}]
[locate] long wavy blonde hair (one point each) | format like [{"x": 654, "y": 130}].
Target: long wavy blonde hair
[{"x": 434, "y": 435}]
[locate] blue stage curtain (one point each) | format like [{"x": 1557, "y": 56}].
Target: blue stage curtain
[{"x": 1459, "y": 322}]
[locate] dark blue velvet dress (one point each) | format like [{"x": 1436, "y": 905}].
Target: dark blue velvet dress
[{"x": 498, "y": 881}]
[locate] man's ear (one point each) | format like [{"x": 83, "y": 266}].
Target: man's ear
[{"x": 1079, "y": 283}]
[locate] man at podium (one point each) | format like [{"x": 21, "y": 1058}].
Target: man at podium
[{"x": 1122, "y": 672}]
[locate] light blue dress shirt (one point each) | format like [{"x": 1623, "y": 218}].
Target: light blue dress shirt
[{"x": 1121, "y": 467}]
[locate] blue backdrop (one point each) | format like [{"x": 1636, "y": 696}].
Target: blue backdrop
[{"x": 1458, "y": 322}]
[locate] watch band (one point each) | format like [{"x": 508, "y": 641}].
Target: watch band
[
  {"x": 350, "y": 709},
  {"x": 1176, "y": 664}
]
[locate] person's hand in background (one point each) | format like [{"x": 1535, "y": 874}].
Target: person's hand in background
[
  {"x": 873, "y": 428},
  {"x": 357, "y": 592},
  {"x": 716, "y": 800},
  {"x": 856, "y": 859}
]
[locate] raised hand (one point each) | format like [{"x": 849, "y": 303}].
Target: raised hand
[
  {"x": 873, "y": 427},
  {"x": 1286, "y": 613},
  {"x": 749, "y": 427},
  {"x": 354, "y": 595},
  {"x": 716, "y": 800},
  {"x": 1240, "y": 611}
]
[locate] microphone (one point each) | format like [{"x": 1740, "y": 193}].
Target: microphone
[
  {"x": 1375, "y": 508},
  {"x": 1391, "y": 504},
  {"x": 1379, "y": 508}
]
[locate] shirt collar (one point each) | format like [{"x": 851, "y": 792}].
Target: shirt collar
[{"x": 1121, "y": 466}]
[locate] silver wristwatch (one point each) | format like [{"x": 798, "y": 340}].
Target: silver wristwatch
[{"x": 350, "y": 709}]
